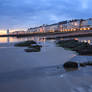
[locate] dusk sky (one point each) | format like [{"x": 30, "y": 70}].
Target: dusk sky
[{"x": 28, "y": 13}]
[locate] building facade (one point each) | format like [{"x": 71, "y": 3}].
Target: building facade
[{"x": 64, "y": 26}]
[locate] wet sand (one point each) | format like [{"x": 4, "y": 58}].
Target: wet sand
[{"x": 37, "y": 72}]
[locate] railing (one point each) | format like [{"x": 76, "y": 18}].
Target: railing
[{"x": 50, "y": 32}]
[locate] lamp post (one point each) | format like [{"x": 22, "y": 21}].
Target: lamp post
[
  {"x": 8, "y": 39},
  {"x": 7, "y": 31}
]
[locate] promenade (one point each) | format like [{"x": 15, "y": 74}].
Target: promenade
[{"x": 54, "y": 34}]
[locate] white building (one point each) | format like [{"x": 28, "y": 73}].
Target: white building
[
  {"x": 51, "y": 28},
  {"x": 89, "y": 22},
  {"x": 33, "y": 30},
  {"x": 86, "y": 24},
  {"x": 62, "y": 26},
  {"x": 73, "y": 24}
]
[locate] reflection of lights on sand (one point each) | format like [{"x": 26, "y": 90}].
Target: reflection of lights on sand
[
  {"x": 85, "y": 41},
  {"x": 89, "y": 41},
  {"x": 62, "y": 39},
  {"x": 73, "y": 55},
  {"x": 61, "y": 76},
  {"x": 76, "y": 39}
]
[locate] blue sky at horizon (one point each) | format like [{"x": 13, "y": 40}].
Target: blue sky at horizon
[{"x": 16, "y": 14}]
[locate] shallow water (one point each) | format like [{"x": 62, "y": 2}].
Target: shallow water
[{"x": 42, "y": 71}]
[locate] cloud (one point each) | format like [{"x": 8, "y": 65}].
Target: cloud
[{"x": 27, "y": 13}]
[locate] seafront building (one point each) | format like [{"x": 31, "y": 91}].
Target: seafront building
[
  {"x": 64, "y": 26},
  {"x": 18, "y": 32},
  {"x": 51, "y": 28}
]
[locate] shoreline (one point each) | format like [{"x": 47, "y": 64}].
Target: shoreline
[
  {"x": 39, "y": 72},
  {"x": 82, "y": 33}
]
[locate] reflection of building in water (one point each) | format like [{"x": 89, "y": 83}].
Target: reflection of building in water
[
  {"x": 42, "y": 39},
  {"x": 36, "y": 38},
  {"x": 8, "y": 40},
  {"x": 76, "y": 39},
  {"x": 89, "y": 41},
  {"x": 3, "y": 39},
  {"x": 86, "y": 41}
]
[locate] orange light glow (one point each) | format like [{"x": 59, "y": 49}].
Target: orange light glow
[
  {"x": 89, "y": 41},
  {"x": 3, "y": 32},
  {"x": 88, "y": 28},
  {"x": 85, "y": 29},
  {"x": 76, "y": 39}
]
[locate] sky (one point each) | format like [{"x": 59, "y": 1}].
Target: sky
[{"x": 20, "y": 14}]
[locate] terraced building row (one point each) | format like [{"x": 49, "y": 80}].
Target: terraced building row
[{"x": 64, "y": 26}]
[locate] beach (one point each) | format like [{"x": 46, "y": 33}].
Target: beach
[{"x": 37, "y": 72}]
